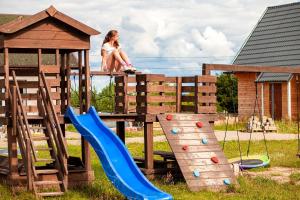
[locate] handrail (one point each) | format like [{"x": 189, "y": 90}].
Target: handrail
[
  {"x": 56, "y": 121},
  {"x": 54, "y": 125},
  {"x": 23, "y": 115}
]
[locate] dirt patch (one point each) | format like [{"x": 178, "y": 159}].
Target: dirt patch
[{"x": 278, "y": 174}]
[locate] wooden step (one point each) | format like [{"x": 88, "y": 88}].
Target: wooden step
[
  {"x": 37, "y": 127},
  {"x": 34, "y": 117},
  {"x": 47, "y": 171},
  {"x": 39, "y": 138},
  {"x": 50, "y": 194},
  {"x": 47, "y": 182},
  {"x": 43, "y": 148},
  {"x": 44, "y": 160}
]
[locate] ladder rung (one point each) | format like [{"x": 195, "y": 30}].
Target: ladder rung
[
  {"x": 46, "y": 171},
  {"x": 47, "y": 182},
  {"x": 43, "y": 148},
  {"x": 37, "y": 128},
  {"x": 45, "y": 160},
  {"x": 39, "y": 138},
  {"x": 50, "y": 194}
]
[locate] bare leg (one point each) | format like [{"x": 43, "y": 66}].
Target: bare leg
[
  {"x": 118, "y": 57},
  {"x": 125, "y": 57},
  {"x": 111, "y": 63},
  {"x": 118, "y": 66}
]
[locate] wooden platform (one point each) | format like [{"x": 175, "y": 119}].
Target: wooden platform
[{"x": 192, "y": 155}]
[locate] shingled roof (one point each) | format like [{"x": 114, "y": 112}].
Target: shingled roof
[{"x": 275, "y": 41}]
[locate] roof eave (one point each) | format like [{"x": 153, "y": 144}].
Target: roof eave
[{"x": 18, "y": 24}]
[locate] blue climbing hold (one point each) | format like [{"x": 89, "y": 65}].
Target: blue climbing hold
[
  {"x": 175, "y": 130},
  {"x": 226, "y": 181},
  {"x": 204, "y": 141},
  {"x": 196, "y": 173}
]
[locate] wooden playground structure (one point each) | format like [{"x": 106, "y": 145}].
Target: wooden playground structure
[{"x": 35, "y": 98}]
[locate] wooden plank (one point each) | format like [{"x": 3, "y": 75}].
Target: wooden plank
[
  {"x": 195, "y": 149},
  {"x": 207, "y": 79},
  {"x": 151, "y": 109},
  {"x": 188, "y": 79},
  {"x": 35, "y": 43},
  {"x": 196, "y": 162},
  {"x": 207, "y": 99},
  {"x": 170, "y": 108},
  {"x": 170, "y": 89},
  {"x": 189, "y": 135},
  {"x": 150, "y": 88},
  {"x": 202, "y": 89},
  {"x": 196, "y": 105},
  {"x": 50, "y": 69},
  {"x": 155, "y": 99},
  {"x": 207, "y": 109},
  {"x": 150, "y": 77}
]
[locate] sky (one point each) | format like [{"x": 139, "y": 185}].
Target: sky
[{"x": 173, "y": 37}]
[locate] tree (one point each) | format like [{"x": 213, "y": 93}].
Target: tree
[
  {"x": 103, "y": 101},
  {"x": 227, "y": 93}
]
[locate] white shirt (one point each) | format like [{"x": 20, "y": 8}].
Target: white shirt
[{"x": 109, "y": 49}]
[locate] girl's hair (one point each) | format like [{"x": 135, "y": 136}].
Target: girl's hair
[{"x": 108, "y": 37}]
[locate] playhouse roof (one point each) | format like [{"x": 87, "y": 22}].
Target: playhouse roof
[
  {"x": 22, "y": 22},
  {"x": 275, "y": 40}
]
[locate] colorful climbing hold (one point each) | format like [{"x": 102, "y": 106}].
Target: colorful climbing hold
[
  {"x": 169, "y": 117},
  {"x": 185, "y": 147},
  {"x": 204, "y": 141},
  {"x": 175, "y": 130},
  {"x": 226, "y": 181},
  {"x": 196, "y": 173},
  {"x": 214, "y": 159},
  {"x": 199, "y": 124}
]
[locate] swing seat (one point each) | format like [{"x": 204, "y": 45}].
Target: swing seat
[{"x": 250, "y": 162}]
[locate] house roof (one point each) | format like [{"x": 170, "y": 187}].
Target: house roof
[
  {"x": 275, "y": 40},
  {"x": 22, "y": 22},
  {"x": 273, "y": 77}
]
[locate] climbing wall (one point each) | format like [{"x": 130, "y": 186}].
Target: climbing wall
[{"x": 197, "y": 151}]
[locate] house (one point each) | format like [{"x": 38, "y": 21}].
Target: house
[{"x": 275, "y": 41}]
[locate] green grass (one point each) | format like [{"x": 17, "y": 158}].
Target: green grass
[{"x": 282, "y": 154}]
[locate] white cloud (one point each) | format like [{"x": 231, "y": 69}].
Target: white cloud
[{"x": 208, "y": 28}]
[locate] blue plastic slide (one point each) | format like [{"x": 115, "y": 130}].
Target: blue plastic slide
[{"x": 116, "y": 161}]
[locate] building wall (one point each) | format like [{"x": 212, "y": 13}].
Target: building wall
[{"x": 246, "y": 94}]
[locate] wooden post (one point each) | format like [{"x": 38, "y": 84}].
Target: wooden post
[
  {"x": 68, "y": 74},
  {"x": 28, "y": 166},
  {"x": 148, "y": 145},
  {"x": 178, "y": 93},
  {"x": 86, "y": 153},
  {"x": 125, "y": 85},
  {"x": 6, "y": 80},
  {"x": 196, "y": 95},
  {"x": 121, "y": 130},
  {"x": 12, "y": 139},
  {"x": 63, "y": 83},
  {"x": 80, "y": 80}
]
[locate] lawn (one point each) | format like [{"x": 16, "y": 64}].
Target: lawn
[{"x": 282, "y": 154}]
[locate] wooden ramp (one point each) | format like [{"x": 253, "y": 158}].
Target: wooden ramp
[{"x": 194, "y": 157}]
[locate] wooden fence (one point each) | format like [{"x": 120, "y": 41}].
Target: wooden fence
[{"x": 156, "y": 93}]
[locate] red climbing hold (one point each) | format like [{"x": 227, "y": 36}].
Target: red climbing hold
[
  {"x": 214, "y": 159},
  {"x": 169, "y": 117},
  {"x": 199, "y": 124},
  {"x": 185, "y": 147}
]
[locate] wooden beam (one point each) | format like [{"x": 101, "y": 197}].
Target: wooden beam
[
  {"x": 148, "y": 145},
  {"x": 121, "y": 130},
  {"x": 247, "y": 68},
  {"x": 85, "y": 147}
]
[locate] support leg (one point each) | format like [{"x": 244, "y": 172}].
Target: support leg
[
  {"x": 148, "y": 148},
  {"x": 121, "y": 130}
]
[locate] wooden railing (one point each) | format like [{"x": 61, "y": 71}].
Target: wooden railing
[
  {"x": 156, "y": 93},
  {"x": 53, "y": 125},
  {"x": 22, "y": 131}
]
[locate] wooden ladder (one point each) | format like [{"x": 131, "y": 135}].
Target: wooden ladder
[{"x": 45, "y": 176}]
